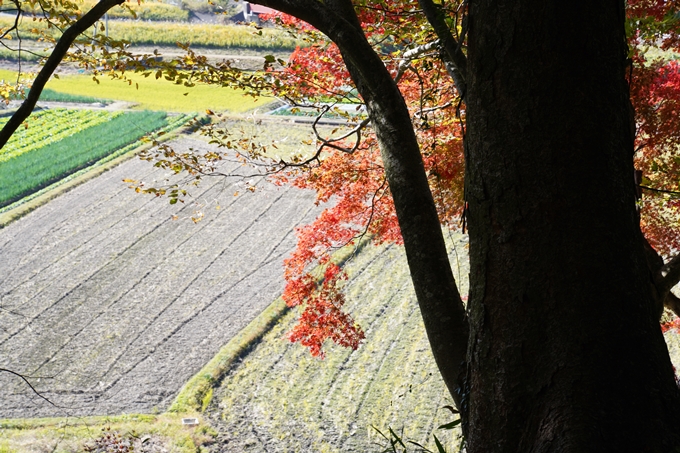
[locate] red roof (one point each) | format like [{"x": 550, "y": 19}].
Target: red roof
[{"x": 259, "y": 9}]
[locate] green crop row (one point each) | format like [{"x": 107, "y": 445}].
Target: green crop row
[
  {"x": 204, "y": 35},
  {"x": 155, "y": 11},
  {"x": 50, "y": 126},
  {"x": 48, "y": 95},
  {"x": 174, "y": 122},
  {"x": 31, "y": 171},
  {"x": 8, "y": 54},
  {"x": 170, "y": 33}
]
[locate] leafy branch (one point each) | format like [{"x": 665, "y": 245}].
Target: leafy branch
[{"x": 55, "y": 58}]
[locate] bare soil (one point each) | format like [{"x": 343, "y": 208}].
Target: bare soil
[{"x": 109, "y": 305}]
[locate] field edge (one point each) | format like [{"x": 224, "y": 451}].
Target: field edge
[
  {"x": 33, "y": 201},
  {"x": 196, "y": 395}
]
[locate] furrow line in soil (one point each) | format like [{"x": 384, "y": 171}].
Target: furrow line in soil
[
  {"x": 154, "y": 334},
  {"x": 248, "y": 275},
  {"x": 91, "y": 209},
  {"x": 361, "y": 389},
  {"x": 93, "y": 269},
  {"x": 85, "y": 278},
  {"x": 172, "y": 301},
  {"x": 357, "y": 280},
  {"x": 275, "y": 257},
  {"x": 43, "y": 227},
  {"x": 353, "y": 276},
  {"x": 120, "y": 291},
  {"x": 290, "y": 392},
  {"x": 137, "y": 282},
  {"x": 90, "y": 215},
  {"x": 383, "y": 357}
]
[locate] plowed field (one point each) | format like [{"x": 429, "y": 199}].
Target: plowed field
[{"x": 110, "y": 305}]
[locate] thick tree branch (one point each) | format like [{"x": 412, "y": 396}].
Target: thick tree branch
[
  {"x": 671, "y": 274},
  {"x": 441, "y": 306},
  {"x": 412, "y": 54},
  {"x": 454, "y": 58},
  {"x": 673, "y": 303},
  {"x": 664, "y": 277},
  {"x": 55, "y": 58}
]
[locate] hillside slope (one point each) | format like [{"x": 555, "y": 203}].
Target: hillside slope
[
  {"x": 281, "y": 399},
  {"x": 110, "y": 305}
]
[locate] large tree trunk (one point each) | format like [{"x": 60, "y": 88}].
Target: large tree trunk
[{"x": 565, "y": 351}]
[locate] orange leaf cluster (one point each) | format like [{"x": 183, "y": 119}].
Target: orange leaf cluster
[
  {"x": 322, "y": 318},
  {"x": 353, "y": 184}
]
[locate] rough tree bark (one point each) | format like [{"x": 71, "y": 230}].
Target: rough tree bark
[{"x": 566, "y": 354}]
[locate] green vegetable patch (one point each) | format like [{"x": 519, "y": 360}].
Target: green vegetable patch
[{"x": 56, "y": 143}]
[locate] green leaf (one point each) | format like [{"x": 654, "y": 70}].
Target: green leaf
[
  {"x": 450, "y": 408},
  {"x": 451, "y": 425},
  {"x": 440, "y": 447},
  {"x": 396, "y": 438},
  {"x": 423, "y": 448}
]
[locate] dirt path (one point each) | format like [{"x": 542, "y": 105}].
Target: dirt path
[
  {"x": 239, "y": 58},
  {"x": 111, "y": 306}
]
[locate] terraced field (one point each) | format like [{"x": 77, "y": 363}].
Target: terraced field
[
  {"x": 280, "y": 399},
  {"x": 111, "y": 306}
]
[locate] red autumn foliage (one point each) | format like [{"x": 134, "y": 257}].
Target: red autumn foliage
[
  {"x": 655, "y": 94},
  {"x": 353, "y": 183},
  {"x": 671, "y": 325}
]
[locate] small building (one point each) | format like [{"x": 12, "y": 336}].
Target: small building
[{"x": 252, "y": 13}]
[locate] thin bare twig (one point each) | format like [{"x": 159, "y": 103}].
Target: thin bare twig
[
  {"x": 27, "y": 382},
  {"x": 671, "y": 192},
  {"x": 15, "y": 25}
]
